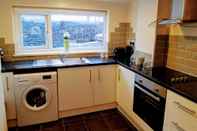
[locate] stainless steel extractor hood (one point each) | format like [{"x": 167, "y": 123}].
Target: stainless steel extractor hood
[{"x": 181, "y": 11}]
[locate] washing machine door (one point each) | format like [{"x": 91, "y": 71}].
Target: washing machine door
[{"x": 36, "y": 98}]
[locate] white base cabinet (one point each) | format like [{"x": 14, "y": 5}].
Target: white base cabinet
[
  {"x": 105, "y": 84},
  {"x": 125, "y": 88},
  {"x": 74, "y": 88},
  {"x": 8, "y": 85},
  {"x": 180, "y": 114},
  {"x": 82, "y": 87},
  {"x": 3, "y": 119}
]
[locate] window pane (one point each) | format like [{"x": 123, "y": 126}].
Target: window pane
[
  {"x": 33, "y": 31},
  {"x": 84, "y": 31}
]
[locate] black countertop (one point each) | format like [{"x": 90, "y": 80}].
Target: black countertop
[
  {"x": 161, "y": 76},
  {"x": 51, "y": 64}
]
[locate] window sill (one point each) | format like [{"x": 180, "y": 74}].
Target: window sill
[{"x": 61, "y": 52}]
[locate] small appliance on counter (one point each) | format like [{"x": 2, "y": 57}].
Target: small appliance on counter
[
  {"x": 1, "y": 52},
  {"x": 118, "y": 53},
  {"x": 123, "y": 53},
  {"x": 141, "y": 60}
]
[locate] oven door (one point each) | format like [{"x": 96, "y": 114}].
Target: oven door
[{"x": 149, "y": 107}]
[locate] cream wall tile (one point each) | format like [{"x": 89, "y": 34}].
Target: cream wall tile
[{"x": 182, "y": 54}]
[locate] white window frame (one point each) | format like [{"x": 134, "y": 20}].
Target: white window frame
[{"x": 20, "y": 50}]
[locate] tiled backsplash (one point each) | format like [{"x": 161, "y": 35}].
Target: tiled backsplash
[
  {"x": 182, "y": 54},
  {"x": 7, "y": 48},
  {"x": 161, "y": 50},
  {"x": 119, "y": 38}
]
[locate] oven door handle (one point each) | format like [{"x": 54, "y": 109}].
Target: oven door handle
[{"x": 148, "y": 93}]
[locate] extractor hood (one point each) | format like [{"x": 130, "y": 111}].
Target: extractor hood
[{"x": 181, "y": 11}]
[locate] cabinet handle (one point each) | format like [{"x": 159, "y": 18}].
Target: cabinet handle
[
  {"x": 177, "y": 126},
  {"x": 90, "y": 80},
  {"x": 99, "y": 75},
  {"x": 6, "y": 105},
  {"x": 185, "y": 109},
  {"x": 118, "y": 74},
  {"x": 7, "y": 84}
]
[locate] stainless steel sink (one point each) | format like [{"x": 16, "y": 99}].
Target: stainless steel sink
[
  {"x": 47, "y": 62},
  {"x": 75, "y": 60}
]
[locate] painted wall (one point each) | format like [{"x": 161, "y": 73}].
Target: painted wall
[
  {"x": 6, "y": 20},
  {"x": 133, "y": 13},
  {"x": 145, "y": 33},
  {"x": 118, "y": 11}
]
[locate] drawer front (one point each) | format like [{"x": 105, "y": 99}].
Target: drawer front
[
  {"x": 180, "y": 114},
  {"x": 180, "y": 103}
]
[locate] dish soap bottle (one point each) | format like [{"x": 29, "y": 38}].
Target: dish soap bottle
[{"x": 66, "y": 41}]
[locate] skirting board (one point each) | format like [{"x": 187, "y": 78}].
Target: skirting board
[
  {"x": 136, "y": 120},
  {"x": 80, "y": 111},
  {"x": 11, "y": 123},
  {"x": 131, "y": 120}
]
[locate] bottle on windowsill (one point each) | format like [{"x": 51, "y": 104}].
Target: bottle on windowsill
[{"x": 66, "y": 41}]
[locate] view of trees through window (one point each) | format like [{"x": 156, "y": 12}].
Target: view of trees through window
[
  {"x": 33, "y": 28},
  {"x": 84, "y": 31}
]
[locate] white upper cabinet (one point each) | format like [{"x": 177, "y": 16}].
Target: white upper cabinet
[
  {"x": 74, "y": 88},
  {"x": 125, "y": 88},
  {"x": 180, "y": 114},
  {"x": 8, "y": 85},
  {"x": 105, "y": 84}
]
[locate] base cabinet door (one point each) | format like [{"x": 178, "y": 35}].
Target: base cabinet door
[
  {"x": 74, "y": 88},
  {"x": 105, "y": 84},
  {"x": 125, "y": 88},
  {"x": 180, "y": 114},
  {"x": 3, "y": 120},
  {"x": 8, "y": 85}
]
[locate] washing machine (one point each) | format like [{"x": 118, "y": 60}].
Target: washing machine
[{"x": 36, "y": 98}]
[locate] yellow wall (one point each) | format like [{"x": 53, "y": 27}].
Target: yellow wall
[{"x": 118, "y": 12}]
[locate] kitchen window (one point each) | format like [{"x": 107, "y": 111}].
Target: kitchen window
[{"x": 40, "y": 31}]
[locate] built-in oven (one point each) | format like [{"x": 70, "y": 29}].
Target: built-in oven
[{"x": 149, "y": 102}]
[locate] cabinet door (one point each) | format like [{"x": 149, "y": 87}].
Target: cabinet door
[
  {"x": 8, "y": 85},
  {"x": 105, "y": 84},
  {"x": 74, "y": 88},
  {"x": 180, "y": 114},
  {"x": 125, "y": 87},
  {"x": 3, "y": 121}
]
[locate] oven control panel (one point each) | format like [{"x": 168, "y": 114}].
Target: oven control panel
[{"x": 152, "y": 86}]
